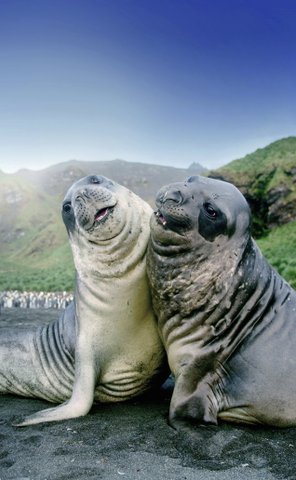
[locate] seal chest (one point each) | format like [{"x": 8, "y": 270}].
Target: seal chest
[
  {"x": 224, "y": 314},
  {"x": 106, "y": 346}
]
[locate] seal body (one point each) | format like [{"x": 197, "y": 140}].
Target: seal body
[
  {"x": 106, "y": 346},
  {"x": 227, "y": 319}
]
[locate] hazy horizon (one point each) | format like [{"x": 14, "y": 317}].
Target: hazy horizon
[
  {"x": 162, "y": 82},
  {"x": 184, "y": 166}
]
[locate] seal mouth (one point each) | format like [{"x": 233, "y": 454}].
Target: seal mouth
[
  {"x": 160, "y": 218},
  {"x": 103, "y": 214},
  {"x": 178, "y": 224}
]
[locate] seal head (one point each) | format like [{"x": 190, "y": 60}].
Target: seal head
[
  {"x": 89, "y": 207},
  {"x": 198, "y": 208}
]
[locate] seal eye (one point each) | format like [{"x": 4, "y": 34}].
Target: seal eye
[
  {"x": 210, "y": 210},
  {"x": 67, "y": 207},
  {"x": 94, "y": 179}
]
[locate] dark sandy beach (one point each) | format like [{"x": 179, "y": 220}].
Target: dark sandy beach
[{"x": 133, "y": 441}]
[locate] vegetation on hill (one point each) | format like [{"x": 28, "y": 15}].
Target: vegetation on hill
[
  {"x": 279, "y": 247},
  {"x": 267, "y": 178},
  {"x": 279, "y": 155},
  {"x": 53, "y": 278}
]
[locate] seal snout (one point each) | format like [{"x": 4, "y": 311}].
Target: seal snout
[
  {"x": 167, "y": 200},
  {"x": 93, "y": 204}
]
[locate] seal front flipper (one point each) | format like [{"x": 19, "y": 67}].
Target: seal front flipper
[
  {"x": 198, "y": 407},
  {"x": 78, "y": 405},
  {"x": 62, "y": 412}
]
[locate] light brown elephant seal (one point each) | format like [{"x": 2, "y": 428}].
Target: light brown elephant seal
[
  {"x": 106, "y": 346},
  {"x": 227, "y": 319}
]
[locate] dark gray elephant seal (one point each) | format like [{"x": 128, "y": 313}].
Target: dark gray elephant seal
[
  {"x": 227, "y": 319},
  {"x": 106, "y": 347}
]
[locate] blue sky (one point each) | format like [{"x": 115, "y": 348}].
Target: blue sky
[{"x": 167, "y": 81}]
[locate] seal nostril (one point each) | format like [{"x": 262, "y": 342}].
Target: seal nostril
[
  {"x": 83, "y": 194},
  {"x": 86, "y": 194},
  {"x": 78, "y": 198},
  {"x": 160, "y": 198},
  {"x": 174, "y": 196}
]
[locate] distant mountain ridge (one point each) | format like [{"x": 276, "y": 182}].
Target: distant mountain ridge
[{"x": 144, "y": 179}]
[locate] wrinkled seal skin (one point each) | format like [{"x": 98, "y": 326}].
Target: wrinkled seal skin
[
  {"x": 227, "y": 319},
  {"x": 106, "y": 346}
]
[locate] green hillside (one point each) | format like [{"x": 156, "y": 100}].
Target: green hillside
[
  {"x": 34, "y": 246},
  {"x": 278, "y": 156},
  {"x": 267, "y": 178},
  {"x": 279, "y": 247}
]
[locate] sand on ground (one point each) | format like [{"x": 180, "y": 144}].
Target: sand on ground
[{"x": 132, "y": 440}]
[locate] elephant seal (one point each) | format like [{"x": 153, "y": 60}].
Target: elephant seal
[
  {"x": 226, "y": 317},
  {"x": 106, "y": 346}
]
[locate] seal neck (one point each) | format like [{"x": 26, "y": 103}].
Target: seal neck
[
  {"x": 213, "y": 302},
  {"x": 194, "y": 279}
]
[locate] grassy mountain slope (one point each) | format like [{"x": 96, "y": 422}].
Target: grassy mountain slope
[
  {"x": 279, "y": 247},
  {"x": 267, "y": 178},
  {"x": 32, "y": 236}
]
